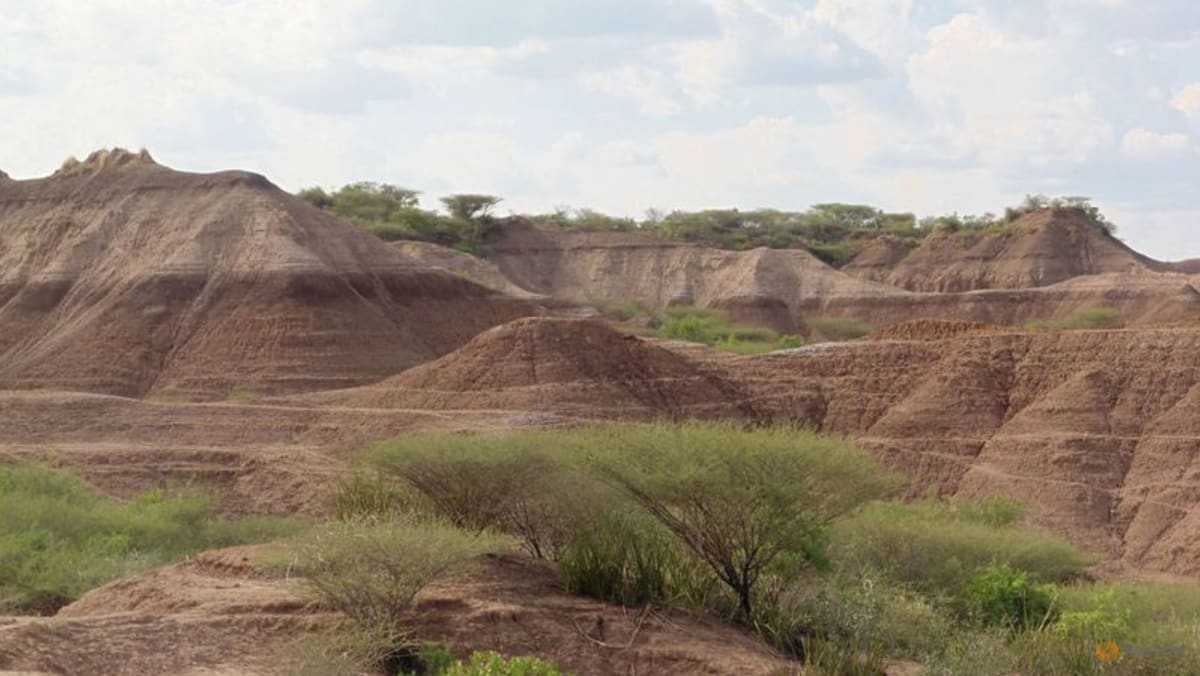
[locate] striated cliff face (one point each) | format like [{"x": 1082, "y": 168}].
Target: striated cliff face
[
  {"x": 778, "y": 288},
  {"x": 1041, "y": 248},
  {"x": 121, "y": 276},
  {"x": 1097, "y": 431}
]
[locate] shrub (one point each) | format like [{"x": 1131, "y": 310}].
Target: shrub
[
  {"x": 689, "y": 327},
  {"x": 59, "y": 537},
  {"x": 494, "y": 664},
  {"x": 370, "y": 570},
  {"x": 364, "y": 494},
  {"x": 628, "y": 559},
  {"x": 839, "y": 328},
  {"x": 739, "y": 498},
  {"x": 865, "y": 614},
  {"x": 937, "y": 547},
  {"x": 510, "y": 482},
  {"x": 1001, "y": 596}
]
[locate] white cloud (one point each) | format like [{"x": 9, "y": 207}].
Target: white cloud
[
  {"x": 764, "y": 44},
  {"x": 1142, "y": 144},
  {"x": 642, "y": 86},
  {"x": 1008, "y": 99},
  {"x": 1187, "y": 101},
  {"x": 881, "y": 26}
]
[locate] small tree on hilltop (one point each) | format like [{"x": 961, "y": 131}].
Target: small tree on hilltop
[{"x": 470, "y": 207}]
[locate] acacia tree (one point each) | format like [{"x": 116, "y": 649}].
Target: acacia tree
[
  {"x": 742, "y": 499},
  {"x": 468, "y": 206}
]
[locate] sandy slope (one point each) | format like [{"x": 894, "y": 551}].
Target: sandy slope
[
  {"x": 224, "y": 613},
  {"x": 121, "y": 276}
]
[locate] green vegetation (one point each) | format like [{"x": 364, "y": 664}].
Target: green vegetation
[
  {"x": 1087, "y": 318},
  {"x": 788, "y": 534},
  {"x": 834, "y": 232},
  {"x": 370, "y": 570},
  {"x": 495, "y": 664},
  {"x": 838, "y": 328},
  {"x": 1001, "y": 596},
  {"x": 743, "y": 501},
  {"x": 936, "y": 547},
  {"x": 59, "y": 537},
  {"x": 713, "y": 327},
  {"x": 394, "y": 213}
]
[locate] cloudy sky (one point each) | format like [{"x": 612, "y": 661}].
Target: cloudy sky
[{"x": 930, "y": 106}]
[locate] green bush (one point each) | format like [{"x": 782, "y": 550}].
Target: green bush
[
  {"x": 495, "y": 664},
  {"x": 740, "y": 499},
  {"x": 839, "y": 328},
  {"x": 521, "y": 484},
  {"x": 1001, "y": 596},
  {"x": 628, "y": 559},
  {"x": 369, "y": 494},
  {"x": 864, "y": 615},
  {"x": 59, "y": 537},
  {"x": 938, "y": 547},
  {"x": 691, "y": 328},
  {"x": 370, "y": 570}
]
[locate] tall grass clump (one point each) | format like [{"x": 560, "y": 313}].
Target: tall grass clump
[{"x": 59, "y": 537}]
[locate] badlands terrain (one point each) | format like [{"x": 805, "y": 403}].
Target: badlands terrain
[{"x": 161, "y": 329}]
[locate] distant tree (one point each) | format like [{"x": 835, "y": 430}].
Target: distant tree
[
  {"x": 317, "y": 197},
  {"x": 469, "y": 207}
]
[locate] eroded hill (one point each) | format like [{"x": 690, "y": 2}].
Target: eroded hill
[
  {"x": 780, "y": 288},
  {"x": 121, "y": 276},
  {"x": 1042, "y": 247}
]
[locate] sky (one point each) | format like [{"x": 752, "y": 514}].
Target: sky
[{"x": 932, "y": 107}]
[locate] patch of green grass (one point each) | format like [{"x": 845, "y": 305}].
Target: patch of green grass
[
  {"x": 494, "y": 664},
  {"x": 1087, "y": 318},
  {"x": 838, "y": 328},
  {"x": 59, "y": 537},
  {"x": 712, "y": 327}
]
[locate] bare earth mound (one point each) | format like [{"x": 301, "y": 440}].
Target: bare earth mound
[
  {"x": 574, "y": 366},
  {"x": 121, "y": 276},
  {"x": 223, "y": 613},
  {"x": 930, "y": 329},
  {"x": 1041, "y": 248}
]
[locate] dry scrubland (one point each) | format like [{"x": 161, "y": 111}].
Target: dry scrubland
[{"x": 243, "y": 435}]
